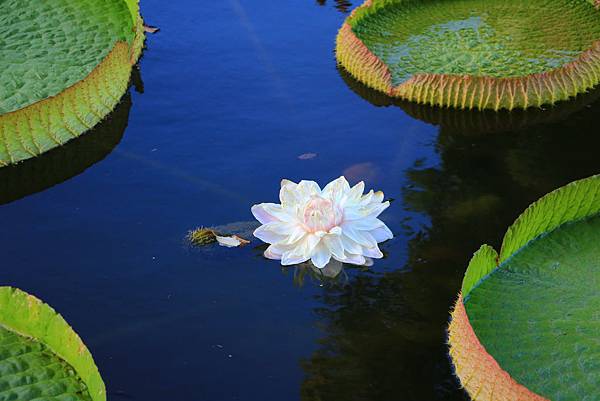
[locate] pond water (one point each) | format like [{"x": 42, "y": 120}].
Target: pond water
[{"x": 228, "y": 96}]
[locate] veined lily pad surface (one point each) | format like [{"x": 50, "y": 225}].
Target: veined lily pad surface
[
  {"x": 41, "y": 357},
  {"x": 526, "y": 323},
  {"x": 65, "y": 65},
  {"x": 484, "y": 54}
]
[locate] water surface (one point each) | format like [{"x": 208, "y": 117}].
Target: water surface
[{"x": 230, "y": 94}]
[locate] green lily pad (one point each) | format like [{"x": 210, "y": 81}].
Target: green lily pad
[
  {"x": 456, "y": 122},
  {"x": 474, "y": 53},
  {"x": 538, "y": 314},
  {"x": 533, "y": 308},
  {"x": 41, "y": 357},
  {"x": 65, "y": 162},
  {"x": 48, "y": 46},
  {"x": 65, "y": 64}
]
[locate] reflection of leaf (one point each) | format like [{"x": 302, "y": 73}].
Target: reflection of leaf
[
  {"x": 535, "y": 314},
  {"x": 42, "y": 357}
]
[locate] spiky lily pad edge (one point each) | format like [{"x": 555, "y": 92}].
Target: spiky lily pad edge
[
  {"x": 479, "y": 373},
  {"x": 28, "y": 316},
  {"x": 465, "y": 91},
  {"x": 44, "y": 125}
]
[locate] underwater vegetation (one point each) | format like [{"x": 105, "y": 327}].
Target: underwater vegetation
[
  {"x": 474, "y": 54},
  {"x": 524, "y": 324},
  {"x": 64, "y": 68}
]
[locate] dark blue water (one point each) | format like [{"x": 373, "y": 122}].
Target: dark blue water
[{"x": 228, "y": 95}]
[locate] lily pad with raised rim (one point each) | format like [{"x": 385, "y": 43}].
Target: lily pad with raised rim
[
  {"x": 41, "y": 357},
  {"x": 65, "y": 162},
  {"x": 474, "y": 54},
  {"x": 65, "y": 65},
  {"x": 525, "y": 326}
]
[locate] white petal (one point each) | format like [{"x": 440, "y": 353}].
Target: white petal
[
  {"x": 307, "y": 189},
  {"x": 351, "y": 246},
  {"x": 336, "y": 189},
  {"x": 335, "y": 246},
  {"x": 355, "y": 260},
  {"x": 286, "y": 182},
  {"x": 273, "y": 252},
  {"x": 266, "y": 234},
  {"x": 371, "y": 210},
  {"x": 299, "y": 252},
  {"x": 367, "y": 224},
  {"x": 382, "y": 233},
  {"x": 357, "y": 191},
  {"x": 377, "y": 197},
  {"x": 357, "y": 236},
  {"x": 292, "y": 258},
  {"x": 366, "y": 199},
  {"x": 321, "y": 256},
  {"x": 271, "y": 212},
  {"x": 310, "y": 242},
  {"x": 336, "y": 231},
  {"x": 281, "y": 228},
  {"x": 294, "y": 235},
  {"x": 374, "y": 252},
  {"x": 288, "y": 195},
  {"x": 261, "y": 214}
]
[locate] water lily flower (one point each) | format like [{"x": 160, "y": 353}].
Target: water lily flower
[{"x": 336, "y": 222}]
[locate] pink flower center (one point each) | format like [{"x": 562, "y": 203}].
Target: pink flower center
[{"x": 320, "y": 215}]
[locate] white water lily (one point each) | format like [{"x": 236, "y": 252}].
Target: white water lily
[{"x": 336, "y": 222}]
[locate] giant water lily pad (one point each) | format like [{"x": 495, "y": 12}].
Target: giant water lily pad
[
  {"x": 65, "y": 64},
  {"x": 526, "y": 324},
  {"x": 41, "y": 357},
  {"x": 65, "y": 162},
  {"x": 476, "y": 122},
  {"x": 474, "y": 54}
]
